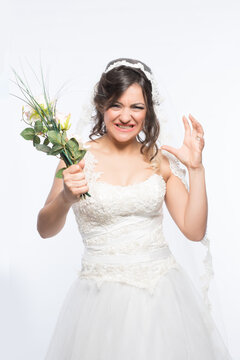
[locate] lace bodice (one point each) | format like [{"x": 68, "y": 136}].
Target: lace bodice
[{"x": 121, "y": 228}]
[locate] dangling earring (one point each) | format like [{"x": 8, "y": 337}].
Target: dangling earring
[{"x": 104, "y": 127}]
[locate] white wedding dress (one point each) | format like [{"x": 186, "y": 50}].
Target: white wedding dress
[{"x": 132, "y": 300}]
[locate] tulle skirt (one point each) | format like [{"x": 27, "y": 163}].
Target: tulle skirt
[{"x": 122, "y": 322}]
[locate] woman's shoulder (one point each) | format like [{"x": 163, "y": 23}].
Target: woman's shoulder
[
  {"x": 93, "y": 144},
  {"x": 163, "y": 165}
]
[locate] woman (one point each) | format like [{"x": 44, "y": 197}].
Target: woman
[{"x": 132, "y": 300}]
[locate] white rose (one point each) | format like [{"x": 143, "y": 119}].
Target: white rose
[
  {"x": 29, "y": 115},
  {"x": 63, "y": 120}
]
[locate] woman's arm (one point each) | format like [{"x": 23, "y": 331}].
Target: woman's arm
[
  {"x": 196, "y": 211},
  {"x": 63, "y": 194},
  {"x": 189, "y": 210}
]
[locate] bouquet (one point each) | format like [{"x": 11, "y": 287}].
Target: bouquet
[{"x": 47, "y": 127}]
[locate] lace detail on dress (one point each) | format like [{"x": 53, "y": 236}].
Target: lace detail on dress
[
  {"x": 103, "y": 242},
  {"x": 144, "y": 276},
  {"x": 90, "y": 162},
  {"x": 176, "y": 168},
  {"x": 121, "y": 228},
  {"x": 109, "y": 204}
]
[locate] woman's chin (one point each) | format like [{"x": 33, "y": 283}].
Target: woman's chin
[
  {"x": 121, "y": 136},
  {"x": 124, "y": 138}
]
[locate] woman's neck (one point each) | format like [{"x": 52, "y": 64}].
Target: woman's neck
[{"x": 114, "y": 147}]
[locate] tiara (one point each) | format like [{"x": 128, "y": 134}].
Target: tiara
[{"x": 155, "y": 93}]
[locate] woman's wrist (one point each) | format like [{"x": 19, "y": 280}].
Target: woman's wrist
[
  {"x": 65, "y": 200},
  {"x": 200, "y": 168},
  {"x": 196, "y": 173}
]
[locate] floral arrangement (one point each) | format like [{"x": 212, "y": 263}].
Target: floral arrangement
[{"x": 47, "y": 127}]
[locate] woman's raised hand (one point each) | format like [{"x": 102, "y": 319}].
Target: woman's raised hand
[
  {"x": 74, "y": 181},
  {"x": 190, "y": 153}
]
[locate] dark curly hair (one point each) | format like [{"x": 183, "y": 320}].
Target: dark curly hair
[{"x": 111, "y": 86}]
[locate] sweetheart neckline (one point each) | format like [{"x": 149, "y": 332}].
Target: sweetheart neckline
[
  {"x": 123, "y": 186},
  {"x": 134, "y": 184}
]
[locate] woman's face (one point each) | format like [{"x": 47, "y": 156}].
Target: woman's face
[{"x": 124, "y": 119}]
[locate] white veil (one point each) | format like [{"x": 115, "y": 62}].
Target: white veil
[{"x": 194, "y": 257}]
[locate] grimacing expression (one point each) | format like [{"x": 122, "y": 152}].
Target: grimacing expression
[{"x": 124, "y": 119}]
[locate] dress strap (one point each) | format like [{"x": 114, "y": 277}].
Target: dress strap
[
  {"x": 90, "y": 163},
  {"x": 176, "y": 167}
]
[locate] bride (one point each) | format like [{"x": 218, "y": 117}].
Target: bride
[{"x": 132, "y": 299}]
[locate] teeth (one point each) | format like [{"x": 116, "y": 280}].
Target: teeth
[{"x": 125, "y": 127}]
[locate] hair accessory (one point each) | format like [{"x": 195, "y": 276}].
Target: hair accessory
[{"x": 155, "y": 93}]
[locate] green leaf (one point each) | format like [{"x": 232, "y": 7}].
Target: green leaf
[
  {"x": 36, "y": 140},
  {"x": 59, "y": 174},
  {"x": 54, "y": 137},
  {"x": 80, "y": 155},
  {"x": 28, "y": 133},
  {"x": 46, "y": 141},
  {"x": 73, "y": 144},
  {"x": 56, "y": 149},
  {"x": 44, "y": 148},
  {"x": 38, "y": 126},
  {"x": 73, "y": 147}
]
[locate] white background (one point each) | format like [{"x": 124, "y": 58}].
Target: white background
[{"x": 194, "y": 47}]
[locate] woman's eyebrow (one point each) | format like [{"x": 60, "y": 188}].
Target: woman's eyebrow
[{"x": 137, "y": 103}]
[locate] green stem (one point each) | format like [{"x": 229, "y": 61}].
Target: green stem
[{"x": 66, "y": 159}]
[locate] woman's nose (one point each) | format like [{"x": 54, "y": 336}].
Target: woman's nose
[{"x": 125, "y": 115}]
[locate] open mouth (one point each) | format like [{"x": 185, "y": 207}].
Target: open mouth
[{"x": 126, "y": 127}]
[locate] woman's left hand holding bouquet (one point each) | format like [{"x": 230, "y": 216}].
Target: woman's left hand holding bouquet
[
  {"x": 74, "y": 182},
  {"x": 63, "y": 194}
]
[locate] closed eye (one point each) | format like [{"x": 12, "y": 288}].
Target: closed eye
[{"x": 134, "y": 106}]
